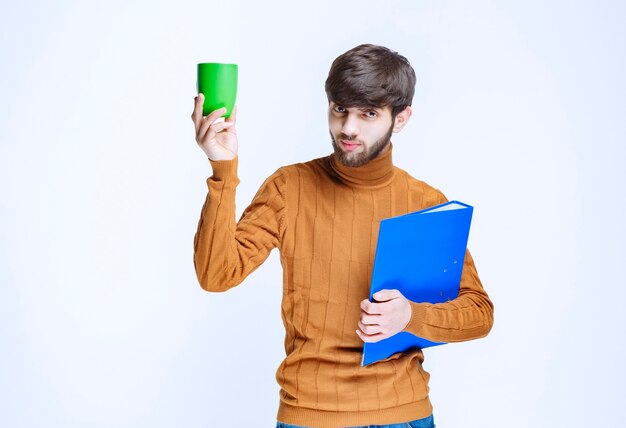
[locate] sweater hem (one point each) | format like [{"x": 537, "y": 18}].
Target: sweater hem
[{"x": 313, "y": 418}]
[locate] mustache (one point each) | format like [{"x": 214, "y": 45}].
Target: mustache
[{"x": 343, "y": 136}]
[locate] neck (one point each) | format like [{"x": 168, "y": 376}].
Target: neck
[{"x": 376, "y": 173}]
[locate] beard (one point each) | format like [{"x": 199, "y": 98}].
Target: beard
[{"x": 359, "y": 159}]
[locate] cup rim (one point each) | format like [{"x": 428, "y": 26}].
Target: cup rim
[{"x": 217, "y": 63}]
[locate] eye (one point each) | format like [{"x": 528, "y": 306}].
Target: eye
[
  {"x": 339, "y": 109},
  {"x": 371, "y": 114}
]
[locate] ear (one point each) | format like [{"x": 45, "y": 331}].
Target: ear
[{"x": 402, "y": 118}]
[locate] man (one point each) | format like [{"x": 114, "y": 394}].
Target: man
[{"x": 323, "y": 216}]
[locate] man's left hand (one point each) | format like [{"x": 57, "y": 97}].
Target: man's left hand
[{"x": 387, "y": 315}]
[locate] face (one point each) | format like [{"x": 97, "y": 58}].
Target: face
[{"x": 359, "y": 134}]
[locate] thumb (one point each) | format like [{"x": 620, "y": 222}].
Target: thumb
[{"x": 385, "y": 295}]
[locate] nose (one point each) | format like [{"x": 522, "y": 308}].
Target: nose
[{"x": 350, "y": 126}]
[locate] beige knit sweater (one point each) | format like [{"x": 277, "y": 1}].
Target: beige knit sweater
[{"x": 324, "y": 217}]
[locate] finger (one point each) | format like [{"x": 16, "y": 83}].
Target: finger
[
  {"x": 386, "y": 295},
  {"x": 214, "y": 129},
  {"x": 370, "y": 330},
  {"x": 220, "y": 126},
  {"x": 370, "y": 319},
  {"x": 370, "y": 308},
  {"x": 207, "y": 122},
  {"x": 204, "y": 123},
  {"x": 196, "y": 116},
  {"x": 216, "y": 114},
  {"x": 370, "y": 338},
  {"x": 233, "y": 116}
]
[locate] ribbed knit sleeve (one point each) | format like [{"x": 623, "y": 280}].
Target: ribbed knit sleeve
[
  {"x": 226, "y": 251},
  {"x": 469, "y": 316}
]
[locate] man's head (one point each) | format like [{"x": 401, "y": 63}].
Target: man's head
[{"x": 370, "y": 89}]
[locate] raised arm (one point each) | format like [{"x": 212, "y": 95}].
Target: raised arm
[{"x": 226, "y": 251}]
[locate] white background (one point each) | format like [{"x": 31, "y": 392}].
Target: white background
[{"x": 519, "y": 110}]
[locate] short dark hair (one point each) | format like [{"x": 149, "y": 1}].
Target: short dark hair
[{"x": 371, "y": 76}]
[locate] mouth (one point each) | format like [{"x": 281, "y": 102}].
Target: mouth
[{"x": 350, "y": 145}]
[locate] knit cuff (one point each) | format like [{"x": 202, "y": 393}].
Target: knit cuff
[
  {"x": 224, "y": 170},
  {"x": 418, "y": 317}
]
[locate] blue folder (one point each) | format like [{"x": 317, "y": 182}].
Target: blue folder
[{"x": 420, "y": 254}]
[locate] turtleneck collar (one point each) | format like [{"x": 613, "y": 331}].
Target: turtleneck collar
[{"x": 376, "y": 173}]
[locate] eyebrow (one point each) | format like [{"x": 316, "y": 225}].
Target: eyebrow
[{"x": 369, "y": 108}]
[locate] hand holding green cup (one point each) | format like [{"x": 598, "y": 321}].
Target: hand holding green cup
[{"x": 218, "y": 83}]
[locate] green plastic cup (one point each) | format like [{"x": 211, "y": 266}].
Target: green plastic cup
[{"x": 218, "y": 83}]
